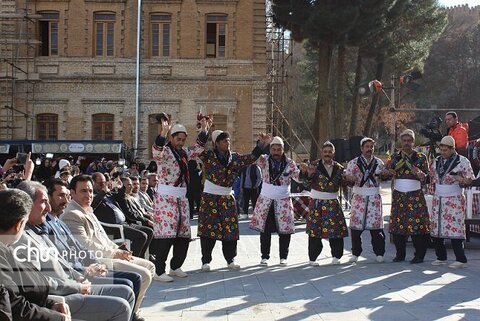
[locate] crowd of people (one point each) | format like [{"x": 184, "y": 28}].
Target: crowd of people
[{"x": 88, "y": 245}]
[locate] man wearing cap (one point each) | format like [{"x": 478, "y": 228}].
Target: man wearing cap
[
  {"x": 409, "y": 215},
  {"x": 364, "y": 173},
  {"x": 447, "y": 220},
  {"x": 274, "y": 209},
  {"x": 171, "y": 211},
  {"x": 325, "y": 219},
  {"x": 218, "y": 216}
]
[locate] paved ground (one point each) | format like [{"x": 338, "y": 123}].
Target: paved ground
[{"x": 363, "y": 291}]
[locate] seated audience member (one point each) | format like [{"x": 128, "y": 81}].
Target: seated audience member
[
  {"x": 152, "y": 185},
  {"x": 133, "y": 211},
  {"x": 45, "y": 171},
  {"x": 24, "y": 290},
  {"x": 152, "y": 167},
  {"x": 83, "y": 223},
  {"x": 79, "y": 257},
  {"x": 140, "y": 193},
  {"x": 107, "y": 210},
  {"x": 83, "y": 298}
]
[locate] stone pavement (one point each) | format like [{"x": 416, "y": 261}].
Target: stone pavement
[{"x": 363, "y": 291}]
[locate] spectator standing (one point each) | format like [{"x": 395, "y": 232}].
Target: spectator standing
[
  {"x": 250, "y": 184},
  {"x": 458, "y": 131}
]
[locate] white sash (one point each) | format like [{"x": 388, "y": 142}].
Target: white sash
[
  {"x": 407, "y": 185},
  {"x": 366, "y": 191},
  {"x": 448, "y": 190},
  {"x": 170, "y": 190},
  {"x": 275, "y": 192},
  {"x": 323, "y": 195},
  {"x": 213, "y": 189}
]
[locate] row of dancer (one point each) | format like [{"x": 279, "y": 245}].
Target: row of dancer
[{"x": 218, "y": 216}]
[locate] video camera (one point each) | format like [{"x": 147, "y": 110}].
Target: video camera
[{"x": 432, "y": 130}]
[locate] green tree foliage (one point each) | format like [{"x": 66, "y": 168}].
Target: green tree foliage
[
  {"x": 391, "y": 32},
  {"x": 407, "y": 42}
]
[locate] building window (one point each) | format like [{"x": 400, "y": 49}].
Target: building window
[
  {"x": 47, "y": 126},
  {"x": 153, "y": 131},
  {"x": 220, "y": 122},
  {"x": 102, "y": 126},
  {"x": 104, "y": 34},
  {"x": 216, "y": 36},
  {"x": 48, "y": 30},
  {"x": 160, "y": 24}
]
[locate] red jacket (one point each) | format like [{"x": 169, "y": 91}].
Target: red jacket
[{"x": 460, "y": 133}]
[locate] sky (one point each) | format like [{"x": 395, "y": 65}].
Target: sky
[{"x": 449, "y": 3}]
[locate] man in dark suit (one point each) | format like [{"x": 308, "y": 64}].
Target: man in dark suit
[
  {"x": 107, "y": 207},
  {"x": 133, "y": 211},
  {"x": 152, "y": 185},
  {"x": 27, "y": 288}
]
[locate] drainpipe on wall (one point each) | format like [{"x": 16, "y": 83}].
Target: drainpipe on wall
[{"x": 137, "y": 80}]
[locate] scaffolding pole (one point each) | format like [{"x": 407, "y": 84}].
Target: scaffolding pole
[{"x": 17, "y": 62}]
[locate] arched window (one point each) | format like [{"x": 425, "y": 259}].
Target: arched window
[
  {"x": 48, "y": 33},
  {"x": 160, "y": 34},
  {"x": 102, "y": 126},
  {"x": 47, "y": 126},
  {"x": 104, "y": 37}
]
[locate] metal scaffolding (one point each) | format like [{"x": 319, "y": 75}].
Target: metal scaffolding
[
  {"x": 17, "y": 68},
  {"x": 280, "y": 107}
]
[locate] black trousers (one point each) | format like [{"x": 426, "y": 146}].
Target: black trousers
[
  {"x": 266, "y": 236},
  {"x": 194, "y": 204},
  {"x": 229, "y": 249},
  {"x": 249, "y": 194},
  {"x": 130, "y": 279},
  {"x": 378, "y": 242},
  {"x": 140, "y": 238},
  {"x": 315, "y": 247},
  {"x": 162, "y": 248},
  {"x": 441, "y": 250},
  {"x": 419, "y": 243},
  {"x": 266, "y": 241}
]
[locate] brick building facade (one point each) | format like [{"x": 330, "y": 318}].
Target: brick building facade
[{"x": 204, "y": 56}]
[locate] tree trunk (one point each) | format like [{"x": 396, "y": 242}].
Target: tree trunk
[
  {"x": 373, "y": 106},
  {"x": 358, "y": 79},
  {"x": 339, "y": 121},
  {"x": 323, "y": 103}
]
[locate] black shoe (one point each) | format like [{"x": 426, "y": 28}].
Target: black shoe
[
  {"x": 137, "y": 317},
  {"x": 152, "y": 258},
  {"x": 416, "y": 260},
  {"x": 398, "y": 259}
]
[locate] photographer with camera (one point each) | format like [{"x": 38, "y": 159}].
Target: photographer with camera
[
  {"x": 17, "y": 169},
  {"x": 458, "y": 131}
]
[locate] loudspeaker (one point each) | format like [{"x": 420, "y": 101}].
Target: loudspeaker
[
  {"x": 354, "y": 145},
  {"x": 342, "y": 152},
  {"x": 474, "y": 128}
]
